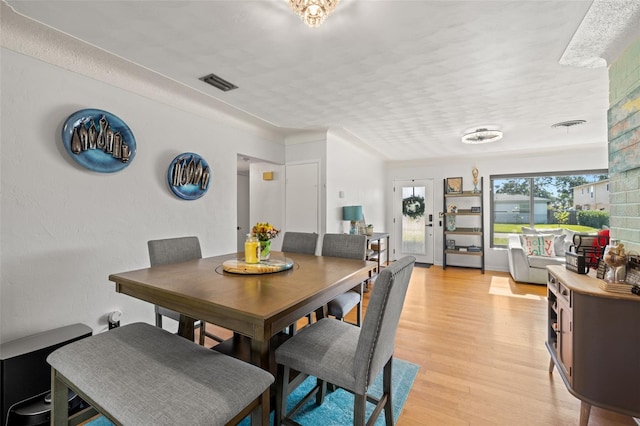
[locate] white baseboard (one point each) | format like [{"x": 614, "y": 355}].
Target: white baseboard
[{"x": 637, "y": 420}]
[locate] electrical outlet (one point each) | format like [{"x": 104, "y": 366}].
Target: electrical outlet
[{"x": 114, "y": 319}]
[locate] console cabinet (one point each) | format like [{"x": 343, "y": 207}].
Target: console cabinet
[{"x": 594, "y": 341}]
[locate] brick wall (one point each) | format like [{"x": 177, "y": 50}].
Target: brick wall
[{"x": 624, "y": 146}]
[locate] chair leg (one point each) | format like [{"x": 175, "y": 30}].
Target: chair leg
[
  {"x": 386, "y": 390},
  {"x": 322, "y": 391},
  {"x": 158, "y": 320},
  {"x": 59, "y": 399},
  {"x": 202, "y": 333},
  {"x": 359, "y": 405},
  {"x": 359, "y": 306}
]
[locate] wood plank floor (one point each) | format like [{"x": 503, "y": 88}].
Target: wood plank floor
[{"x": 479, "y": 342}]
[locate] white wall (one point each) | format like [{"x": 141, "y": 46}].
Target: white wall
[
  {"x": 358, "y": 173},
  {"x": 495, "y": 259},
  {"x": 64, "y": 229},
  {"x": 267, "y": 198}
]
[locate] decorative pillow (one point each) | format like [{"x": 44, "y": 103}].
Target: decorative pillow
[
  {"x": 554, "y": 231},
  {"x": 560, "y": 244},
  {"x": 539, "y": 245},
  {"x": 529, "y": 231},
  {"x": 569, "y": 233}
]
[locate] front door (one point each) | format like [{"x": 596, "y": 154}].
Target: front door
[{"x": 413, "y": 219}]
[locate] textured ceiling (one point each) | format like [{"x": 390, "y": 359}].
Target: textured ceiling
[{"x": 406, "y": 78}]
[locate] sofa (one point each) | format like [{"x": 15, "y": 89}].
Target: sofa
[
  {"x": 532, "y": 268},
  {"x": 532, "y": 251}
]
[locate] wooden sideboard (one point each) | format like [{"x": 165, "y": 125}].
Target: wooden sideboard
[{"x": 594, "y": 341}]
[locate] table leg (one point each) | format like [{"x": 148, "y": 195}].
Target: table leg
[
  {"x": 260, "y": 357},
  {"x": 321, "y": 312},
  {"x": 185, "y": 327}
]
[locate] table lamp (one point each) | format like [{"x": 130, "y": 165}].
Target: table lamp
[{"x": 352, "y": 214}]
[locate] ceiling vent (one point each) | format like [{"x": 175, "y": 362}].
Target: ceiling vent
[
  {"x": 569, "y": 123},
  {"x": 218, "y": 82}
]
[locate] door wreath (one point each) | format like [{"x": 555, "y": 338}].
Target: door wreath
[{"x": 413, "y": 206}]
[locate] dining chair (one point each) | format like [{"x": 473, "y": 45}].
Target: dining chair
[
  {"x": 300, "y": 242},
  {"x": 176, "y": 250},
  {"x": 349, "y": 357},
  {"x": 351, "y": 247}
]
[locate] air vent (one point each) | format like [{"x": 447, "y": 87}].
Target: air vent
[
  {"x": 218, "y": 82},
  {"x": 569, "y": 123}
]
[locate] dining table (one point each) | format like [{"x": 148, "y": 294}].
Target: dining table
[{"x": 256, "y": 305}]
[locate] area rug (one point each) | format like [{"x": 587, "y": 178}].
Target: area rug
[{"x": 337, "y": 408}]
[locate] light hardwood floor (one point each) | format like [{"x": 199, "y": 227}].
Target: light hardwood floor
[{"x": 479, "y": 342}]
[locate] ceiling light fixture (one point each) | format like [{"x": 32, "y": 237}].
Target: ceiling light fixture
[
  {"x": 569, "y": 123},
  {"x": 313, "y": 12},
  {"x": 479, "y": 136}
]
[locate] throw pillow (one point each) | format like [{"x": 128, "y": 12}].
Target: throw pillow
[
  {"x": 539, "y": 245},
  {"x": 554, "y": 231},
  {"x": 559, "y": 245},
  {"x": 529, "y": 231},
  {"x": 569, "y": 236}
]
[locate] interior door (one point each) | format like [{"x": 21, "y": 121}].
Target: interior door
[
  {"x": 413, "y": 219},
  {"x": 243, "y": 203},
  {"x": 302, "y": 211}
]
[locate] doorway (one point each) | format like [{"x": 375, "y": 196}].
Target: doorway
[
  {"x": 413, "y": 219},
  {"x": 302, "y": 210}
]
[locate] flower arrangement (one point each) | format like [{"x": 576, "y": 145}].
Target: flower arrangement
[{"x": 264, "y": 231}]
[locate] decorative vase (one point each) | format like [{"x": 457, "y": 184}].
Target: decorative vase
[
  {"x": 265, "y": 249},
  {"x": 451, "y": 223}
]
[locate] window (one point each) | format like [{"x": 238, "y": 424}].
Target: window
[{"x": 546, "y": 200}]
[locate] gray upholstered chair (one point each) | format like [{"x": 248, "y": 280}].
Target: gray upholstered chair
[
  {"x": 347, "y": 356},
  {"x": 300, "y": 242},
  {"x": 139, "y": 374},
  {"x": 350, "y": 247},
  {"x": 176, "y": 250}
]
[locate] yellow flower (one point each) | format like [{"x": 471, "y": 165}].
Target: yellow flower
[{"x": 264, "y": 231}]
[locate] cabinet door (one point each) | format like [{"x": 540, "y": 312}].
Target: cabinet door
[{"x": 565, "y": 338}]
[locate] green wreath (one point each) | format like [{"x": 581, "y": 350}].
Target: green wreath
[{"x": 413, "y": 206}]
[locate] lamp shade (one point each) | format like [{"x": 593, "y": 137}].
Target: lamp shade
[{"x": 352, "y": 213}]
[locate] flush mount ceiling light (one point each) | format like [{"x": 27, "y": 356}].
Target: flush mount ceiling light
[
  {"x": 313, "y": 12},
  {"x": 479, "y": 136},
  {"x": 569, "y": 123}
]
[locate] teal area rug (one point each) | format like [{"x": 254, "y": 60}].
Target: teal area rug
[{"x": 337, "y": 408}]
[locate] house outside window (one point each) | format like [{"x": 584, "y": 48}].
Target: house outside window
[{"x": 548, "y": 200}]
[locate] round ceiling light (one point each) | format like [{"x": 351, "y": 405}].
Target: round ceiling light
[
  {"x": 479, "y": 136},
  {"x": 569, "y": 123}
]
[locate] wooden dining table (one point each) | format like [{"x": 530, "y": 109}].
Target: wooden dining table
[{"x": 257, "y": 306}]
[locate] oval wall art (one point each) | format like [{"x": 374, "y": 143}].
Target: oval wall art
[
  {"x": 189, "y": 176},
  {"x": 98, "y": 140}
]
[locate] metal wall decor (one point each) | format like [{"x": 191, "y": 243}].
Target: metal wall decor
[
  {"x": 189, "y": 176},
  {"x": 98, "y": 140}
]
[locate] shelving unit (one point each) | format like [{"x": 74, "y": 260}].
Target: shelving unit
[
  {"x": 471, "y": 231},
  {"x": 378, "y": 251}
]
